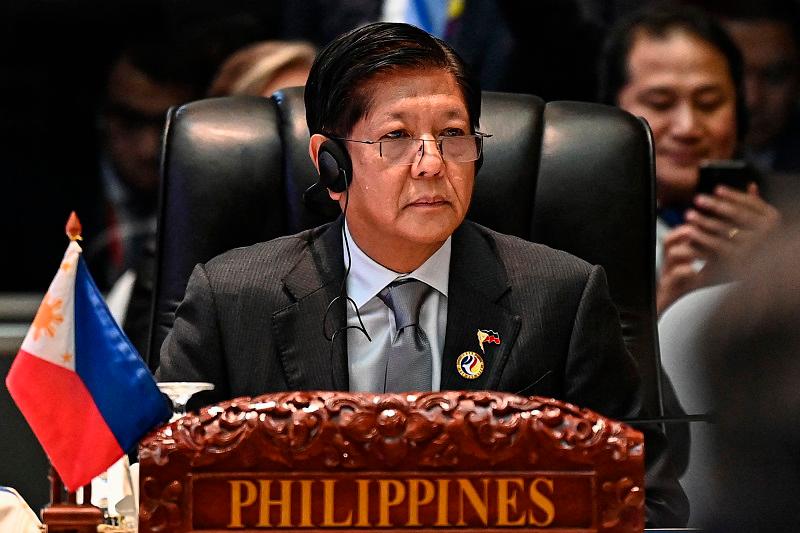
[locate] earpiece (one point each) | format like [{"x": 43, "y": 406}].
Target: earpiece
[{"x": 335, "y": 167}]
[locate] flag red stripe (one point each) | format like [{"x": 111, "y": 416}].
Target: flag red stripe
[{"x": 64, "y": 418}]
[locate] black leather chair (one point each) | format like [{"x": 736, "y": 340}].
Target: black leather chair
[{"x": 574, "y": 176}]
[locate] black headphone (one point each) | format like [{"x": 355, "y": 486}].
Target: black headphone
[{"x": 335, "y": 167}]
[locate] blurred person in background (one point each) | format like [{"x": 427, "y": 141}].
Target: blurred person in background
[
  {"x": 262, "y": 68},
  {"x": 766, "y": 33},
  {"x": 752, "y": 372},
  {"x": 145, "y": 80},
  {"x": 258, "y": 69},
  {"x": 677, "y": 68},
  {"x": 157, "y": 69}
]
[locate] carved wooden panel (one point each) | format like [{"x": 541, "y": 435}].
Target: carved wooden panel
[{"x": 440, "y": 460}]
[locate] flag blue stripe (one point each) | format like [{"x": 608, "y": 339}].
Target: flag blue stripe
[{"x": 120, "y": 383}]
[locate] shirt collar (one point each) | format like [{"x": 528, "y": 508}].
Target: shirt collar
[{"x": 367, "y": 278}]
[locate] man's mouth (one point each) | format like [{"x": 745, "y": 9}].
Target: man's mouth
[
  {"x": 684, "y": 157},
  {"x": 429, "y": 201}
]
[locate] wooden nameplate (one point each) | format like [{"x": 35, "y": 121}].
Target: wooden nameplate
[{"x": 429, "y": 461}]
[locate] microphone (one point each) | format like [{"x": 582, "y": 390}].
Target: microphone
[{"x": 316, "y": 199}]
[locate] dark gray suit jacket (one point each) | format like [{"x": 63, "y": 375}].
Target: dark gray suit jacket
[{"x": 251, "y": 323}]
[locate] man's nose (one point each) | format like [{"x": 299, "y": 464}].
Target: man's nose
[
  {"x": 429, "y": 161},
  {"x": 686, "y": 122}
]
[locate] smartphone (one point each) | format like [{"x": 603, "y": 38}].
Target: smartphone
[{"x": 733, "y": 173}]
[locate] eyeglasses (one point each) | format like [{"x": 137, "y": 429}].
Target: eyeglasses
[{"x": 406, "y": 150}]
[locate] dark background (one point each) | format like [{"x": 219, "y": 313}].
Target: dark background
[{"x": 55, "y": 56}]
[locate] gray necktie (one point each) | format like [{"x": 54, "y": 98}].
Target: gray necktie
[{"x": 408, "y": 364}]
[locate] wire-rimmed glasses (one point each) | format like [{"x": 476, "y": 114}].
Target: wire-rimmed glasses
[{"x": 406, "y": 150}]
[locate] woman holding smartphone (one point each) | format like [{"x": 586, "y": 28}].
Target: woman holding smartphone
[{"x": 677, "y": 68}]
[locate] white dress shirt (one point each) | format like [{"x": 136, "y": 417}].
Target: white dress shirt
[{"x": 367, "y": 360}]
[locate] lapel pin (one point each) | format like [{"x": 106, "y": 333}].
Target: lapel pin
[
  {"x": 487, "y": 335},
  {"x": 469, "y": 365}
]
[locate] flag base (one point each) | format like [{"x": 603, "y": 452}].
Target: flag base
[
  {"x": 69, "y": 516},
  {"x": 73, "y": 517}
]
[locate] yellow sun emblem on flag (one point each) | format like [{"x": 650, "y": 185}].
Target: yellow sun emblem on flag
[{"x": 47, "y": 317}]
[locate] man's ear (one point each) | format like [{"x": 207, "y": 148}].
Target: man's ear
[
  {"x": 313, "y": 148},
  {"x": 314, "y": 145}
]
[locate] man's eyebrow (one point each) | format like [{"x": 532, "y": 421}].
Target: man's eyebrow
[
  {"x": 709, "y": 88},
  {"x": 451, "y": 113},
  {"x": 657, "y": 91}
]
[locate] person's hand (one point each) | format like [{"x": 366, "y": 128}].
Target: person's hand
[
  {"x": 681, "y": 271},
  {"x": 730, "y": 225},
  {"x": 721, "y": 232}
]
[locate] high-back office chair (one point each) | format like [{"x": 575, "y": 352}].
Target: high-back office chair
[{"x": 574, "y": 176}]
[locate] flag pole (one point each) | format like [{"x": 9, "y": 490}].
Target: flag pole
[{"x": 56, "y": 486}]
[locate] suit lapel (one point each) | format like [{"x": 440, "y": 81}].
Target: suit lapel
[
  {"x": 310, "y": 361},
  {"x": 477, "y": 281}
]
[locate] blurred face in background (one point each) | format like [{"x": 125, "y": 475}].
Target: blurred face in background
[
  {"x": 682, "y": 86},
  {"x": 771, "y": 76},
  {"x": 136, "y": 106}
]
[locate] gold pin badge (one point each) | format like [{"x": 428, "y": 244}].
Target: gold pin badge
[{"x": 470, "y": 365}]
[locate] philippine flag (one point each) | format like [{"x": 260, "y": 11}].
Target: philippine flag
[{"x": 78, "y": 380}]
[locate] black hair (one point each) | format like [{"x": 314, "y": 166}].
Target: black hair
[
  {"x": 658, "y": 20},
  {"x": 334, "y": 95}
]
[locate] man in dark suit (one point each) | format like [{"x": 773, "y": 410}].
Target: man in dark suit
[{"x": 401, "y": 293}]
